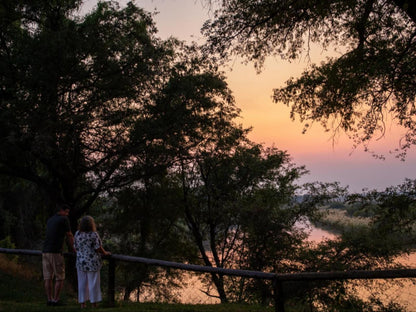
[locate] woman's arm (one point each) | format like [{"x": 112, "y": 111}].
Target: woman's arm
[{"x": 102, "y": 251}]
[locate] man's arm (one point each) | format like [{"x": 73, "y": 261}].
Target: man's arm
[{"x": 70, "y": 241}]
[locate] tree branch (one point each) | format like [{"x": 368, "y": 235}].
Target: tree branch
[{"x": 408, "y": 6}]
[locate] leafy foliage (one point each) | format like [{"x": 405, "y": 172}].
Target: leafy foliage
[
  {"x": 393, "y": 214},
  {"x": 374, "y": 76},
  {"x": 71, "y": 89},
  {"x": 97, "y": 112},
  {"x": 91, "y": 104},
  {"x": 235, "y": 198}
]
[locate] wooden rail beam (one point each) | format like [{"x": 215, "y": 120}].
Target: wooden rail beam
[{"x": 276, "y": 278}]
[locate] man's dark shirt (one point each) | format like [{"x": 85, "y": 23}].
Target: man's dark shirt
[{"x": 56, "y": 229}]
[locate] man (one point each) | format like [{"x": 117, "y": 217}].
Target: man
[{"x": 57, "y": 229}]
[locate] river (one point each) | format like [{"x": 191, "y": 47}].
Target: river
[{"x": 404, "y": 294}]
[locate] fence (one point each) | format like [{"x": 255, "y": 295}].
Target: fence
[{"x": 277, "y": 278}]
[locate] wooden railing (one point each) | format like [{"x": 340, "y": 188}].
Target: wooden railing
[{"x": 277, "y": 278}]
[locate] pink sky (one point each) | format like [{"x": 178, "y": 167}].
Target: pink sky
[{"x": 327, "y": 162}]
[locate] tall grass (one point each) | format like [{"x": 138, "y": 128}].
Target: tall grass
[
  {"x": 338, "y": 220},
  {"x": 11, "y": 265}
]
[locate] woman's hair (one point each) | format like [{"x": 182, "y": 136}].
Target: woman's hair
[{"x": 87, "y": 224}]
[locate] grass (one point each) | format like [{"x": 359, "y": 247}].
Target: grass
[
  {"x": 21, "y": 290},
  {"x": 337, "y": 220},
  {"x": 129, "y": 307}
]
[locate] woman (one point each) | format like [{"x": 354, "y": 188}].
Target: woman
[{"x": 89, "y": 250}]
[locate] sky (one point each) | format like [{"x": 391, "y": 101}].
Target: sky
[{"x": 326, "y": 159}]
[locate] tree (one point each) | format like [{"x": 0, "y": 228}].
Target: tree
[
  {"x": 393, "y": 216},
  {"x": 144, "y": 221},
  {"x": 373, "y": 243},
  {"x": 374, "y": 76},
  {"x": 84, "y": 100},
  {"x": 21, "y": 213},
  {"x": 228, "y": 186},
  {"x": 192, "y": 104},
  {"x": 71, "y": 90}
]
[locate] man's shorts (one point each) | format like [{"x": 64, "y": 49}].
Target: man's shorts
[{"x": 53, "y": 266}]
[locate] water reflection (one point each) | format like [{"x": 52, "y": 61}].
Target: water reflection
[
  {"x": 315, "y": 234},
  {"x": 402, "y": 291},
  {"x": 318, "y": 235}
]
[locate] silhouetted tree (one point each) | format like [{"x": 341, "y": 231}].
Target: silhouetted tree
[
  {"x": 374, "y": 74},
  {"x": 83, "y": 97}
]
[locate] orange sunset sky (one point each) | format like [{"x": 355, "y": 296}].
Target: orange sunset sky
[{"x": 327, "y": 160}]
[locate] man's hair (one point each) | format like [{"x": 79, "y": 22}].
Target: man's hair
[{"x": 60, "y": 207}]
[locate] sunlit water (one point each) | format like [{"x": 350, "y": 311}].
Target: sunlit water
[
  {"x": 402, "y": 291},
  {"x": 404, "y": 294},
  {"x": 315, "y": 234}
]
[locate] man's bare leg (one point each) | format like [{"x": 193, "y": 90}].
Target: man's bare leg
[
  {"x": 48, "y": 289},
  {"x": 58, "y": 287}
]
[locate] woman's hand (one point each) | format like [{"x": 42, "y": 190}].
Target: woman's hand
[{"x": 102, "y": 251}]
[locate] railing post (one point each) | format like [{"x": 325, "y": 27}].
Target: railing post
[
  {"x": 111, "y": 281},
  {"x": 279, "y": 299}
]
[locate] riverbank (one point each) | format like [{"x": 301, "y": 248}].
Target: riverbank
[{"x": 333, "y": 223}]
